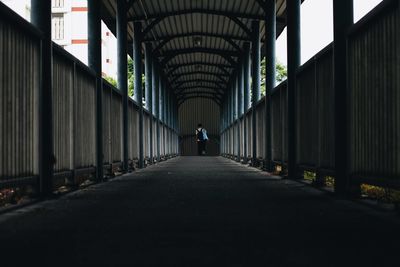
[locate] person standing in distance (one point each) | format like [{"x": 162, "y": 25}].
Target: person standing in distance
[{"x": 201, "y": 137}]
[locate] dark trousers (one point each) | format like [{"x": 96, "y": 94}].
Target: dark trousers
[{"x": 201, "y": 146}]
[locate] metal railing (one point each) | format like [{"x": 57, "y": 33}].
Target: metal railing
[
  {"x": 374, "y": 98},
  {"x": 74, "y": 114},
  {"x": 315, "y": 131},
  {"x": 373, "y": 108},
  {"x": 20, "y": 46}
]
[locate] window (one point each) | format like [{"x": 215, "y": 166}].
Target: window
[
  {"x": 57, "y": 27},
  {"x": 58, "y": 3}
]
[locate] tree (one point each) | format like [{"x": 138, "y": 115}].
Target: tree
[
  {"x": 131, "y": 77},
  {"x": 281, "y": 74},
  {"x": 111, "y": 80}
]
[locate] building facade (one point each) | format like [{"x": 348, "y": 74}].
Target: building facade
[{"x": 69, "y": 30}]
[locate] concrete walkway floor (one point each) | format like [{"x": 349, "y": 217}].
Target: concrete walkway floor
[{"x": 199, "y": 211}]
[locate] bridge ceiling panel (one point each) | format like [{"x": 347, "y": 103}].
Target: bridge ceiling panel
[
  {"x": 195, "y": 80},
  {"x": 199, "y": 90},
  {"x": 194, "y": 39},
  {"x": 198, "y": 57},
  {"x": 200, "y": 76},
  {"x": 201, "y": 82},
  {"x": 185, "y": 69},
  {"x": 152, "y": 9},
  {"x": 197, "y": 23},
  {"x": 198, "y": 62},
  {"x": 207, "y": 42}
]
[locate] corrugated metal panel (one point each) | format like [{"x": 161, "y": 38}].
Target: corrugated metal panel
[
  {"x": 107, "y": 138},
  {"x": 19, "y": 76},
  {"x": 192, "y": 112},
  {"x": 242, "y": 135},
  {"x": 231, "y": 141},
  {"x": 133, "y": 139},
  {"x": 71, "y": 111},
  {"x": 166, "y": 136},
  {"x": 284, "y": 108},
  {"x": 315, "y": 112},
  {"x": 162, "y": 140},
  {"x": 116, "y": 126},
  {"x": 306, "y": 117},
  {"x": 169, "y": 142},
  {"x": 374, "y": 60},
  {"x": 277, "y": 125},
  {"x": 63, "y": 106},
  {"x": 249, "y": 135},
  {"x": 154, "y": 137},
  {"x": 260, "y": 117},
  {"x": 326, "y": 111},
  {"x": 84, "y": 120},
  {"x": 146, "y": 134}
]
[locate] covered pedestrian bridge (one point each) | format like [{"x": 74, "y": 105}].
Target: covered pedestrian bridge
[{"x": 335, "y": 121}]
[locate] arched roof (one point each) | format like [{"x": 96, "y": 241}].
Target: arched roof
[{"x": 197, "y": 42}]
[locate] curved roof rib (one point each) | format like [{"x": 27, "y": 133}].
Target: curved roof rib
[{"x": 198, "y": 44}]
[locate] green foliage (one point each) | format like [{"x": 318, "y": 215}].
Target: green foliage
[
  {"x": 131, "y": 77},
  {"x": 263, "y": 73},
  {"x": 111, "y": 80},
  {"x": 281, "y": 74},
  {"x": 380, "y": 193},
  {"x": 330, "y": 181},
  {"x": 310, "y": 176}
]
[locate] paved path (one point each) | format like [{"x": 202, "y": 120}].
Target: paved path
[{"x": 199, "y": 211}]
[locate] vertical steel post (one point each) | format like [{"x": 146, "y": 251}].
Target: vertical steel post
[
  {"x": 149, "y": 93},
  {"x": 228, "y": 118},
  {"x": 239, "y": 97},
  {"x": 246, "y": 76},
  {"x": 256, "y": 81},
  {"x": 225, "y": 123},
  {"x": 41, "y": 18},
  {"x": 94, "y": 59},
  {"x": 167, "y": 121},
  {"x": 154, "y": 85},
  {"x": 161, "y": 92},
  {"x": 293, "y": 55},
  {"x": 246, "y": 96},
  {"x": 165, "y": 117},
  {"x": 122, "y": 47},
  {"x": 160, "y": 108},
  {"x": 162, "y": 88},
  {"x": 228, "y": 114},
  {"x": 241, "y": 103},
  {"x": 221, "y": 127},
  {"x": 232, "y": 120},
  {"x": 234, "y": 110},
  {"x": 171, "y": 120},
  {"x": 156, "y": 106},
  {"x": 343, "y": 20},
  {"x": 228, "y": 99},
  {"x": 270, "y": 43},
  {"x": 138, "y": 90}
]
